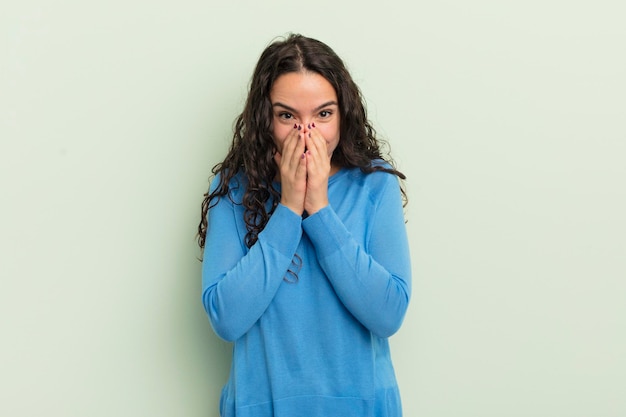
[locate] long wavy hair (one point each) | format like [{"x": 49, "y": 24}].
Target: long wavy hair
[{"x": 252, "y": 150}]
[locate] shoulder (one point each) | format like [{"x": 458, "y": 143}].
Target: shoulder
[
  {"x": 375, "y": 181},
  {"x": 381, "y": 163},
  {"x": 375, "y": 176},
  {"x": 236, "y": 184}
]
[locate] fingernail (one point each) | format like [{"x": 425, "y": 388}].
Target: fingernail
[
  {"x": 309, "y": 134},
  {"x": 302, "y": 157},
  {"x": 299, "y": 127},
  {"x": 295, "y": 125},
  {"x": 309, "y": 125},
  {"x": 313, "y": 125}
]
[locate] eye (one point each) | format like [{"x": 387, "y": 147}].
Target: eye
[
  {"x": 325, "y": 113},
  {"x": 285, "y": 115}
]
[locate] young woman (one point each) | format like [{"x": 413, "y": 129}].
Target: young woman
[{"x": 306, "y": 263}]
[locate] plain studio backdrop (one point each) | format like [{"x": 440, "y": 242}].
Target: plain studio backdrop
[{"x": 508, "y": 118}]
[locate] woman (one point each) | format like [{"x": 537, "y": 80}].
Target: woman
[{"x": 306, "y": 263}]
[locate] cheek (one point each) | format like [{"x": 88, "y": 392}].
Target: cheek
[
  {"x": 279, "y": 133},
  {"x": 331, "y": 134}
]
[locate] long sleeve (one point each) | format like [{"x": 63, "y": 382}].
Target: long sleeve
[
  {"x": 318, "y": 342},
  {"x": 239, "y": 284},
  {"x": 372, "y": 279}
]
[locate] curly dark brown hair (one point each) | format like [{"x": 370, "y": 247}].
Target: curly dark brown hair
[{"x": 252, "y": 149}]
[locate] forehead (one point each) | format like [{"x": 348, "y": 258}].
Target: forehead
[{"x": 302, "y": 88}]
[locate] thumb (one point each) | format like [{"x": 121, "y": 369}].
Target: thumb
[{"x": 277, "y": 158}]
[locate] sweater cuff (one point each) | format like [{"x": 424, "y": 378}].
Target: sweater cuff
[
  {"x": 283, "y": 231},
  {"x": 326, "y": 231}
]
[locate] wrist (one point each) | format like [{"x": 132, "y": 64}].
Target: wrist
[
  {"x": 314, "y": 208},
  {"x": 295, "y": 208}
]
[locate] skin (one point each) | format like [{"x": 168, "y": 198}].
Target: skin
[{"x": 305, "y": 127}]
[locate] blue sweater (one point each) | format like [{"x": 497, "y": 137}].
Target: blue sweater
[{"x": 316, "y": 347}]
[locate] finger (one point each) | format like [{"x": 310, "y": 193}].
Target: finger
[
  {"x": 317, "y": 150},
  {"x": 301, "y": 170},
  {"x": 300, "y": 144},
  {"x": 297, "y": 151},
  {"x": 318, "y": 142},
  {"x": 289, "y": 145}
]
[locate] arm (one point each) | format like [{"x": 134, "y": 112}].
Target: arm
[
  {"x": 375, "y": 285},
  {"x": 238, "y": 286}
]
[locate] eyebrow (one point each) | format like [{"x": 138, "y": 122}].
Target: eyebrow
[{"x": 291, "y": 109}]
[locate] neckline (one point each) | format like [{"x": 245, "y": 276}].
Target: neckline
[{"x": 340, "y": 173}]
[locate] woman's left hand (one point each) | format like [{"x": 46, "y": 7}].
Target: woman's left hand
[{"x": 318, "y": 170}]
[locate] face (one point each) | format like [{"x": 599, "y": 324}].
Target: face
[{"x": 304, "y": 98}]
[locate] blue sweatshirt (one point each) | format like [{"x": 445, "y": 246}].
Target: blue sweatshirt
[{"x": 315, "y": 346}]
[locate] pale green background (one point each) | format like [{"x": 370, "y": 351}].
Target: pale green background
[{"x": 508, "y": 117}]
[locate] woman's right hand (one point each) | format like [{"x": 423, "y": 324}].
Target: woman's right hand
[{"x": 292, "y": 167}]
